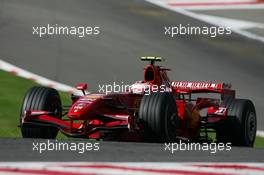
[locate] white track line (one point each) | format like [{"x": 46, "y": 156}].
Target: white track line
[
  {"x": 38, "y": 79},
  {"x": 209, "y": 1},
  {"x": 225, "y": 7},
  {"x": 216, "y": 4},
  {"x": 209, "y": 19},
  {"x": 46, "y": 82},
  {"x": 260, "y": 133}
]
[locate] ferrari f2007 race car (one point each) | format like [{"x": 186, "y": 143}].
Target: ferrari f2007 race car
[{"x": 173, "y": 111}]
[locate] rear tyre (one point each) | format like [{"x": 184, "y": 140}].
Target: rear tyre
[
  {"x": 158, "y": 113},
  {"x": 40, "y": 98},
  {"x": 241, "y": 124}
]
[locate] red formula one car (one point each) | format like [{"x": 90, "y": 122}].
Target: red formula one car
[{"x": 171, "y": 111}]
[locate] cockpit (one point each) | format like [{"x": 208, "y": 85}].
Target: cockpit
[{"x": 149, "y": 74}]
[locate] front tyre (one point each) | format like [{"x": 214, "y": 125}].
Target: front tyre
[
  {"x": 44, "y": 99},
  {"x": 241, "y": 124}
]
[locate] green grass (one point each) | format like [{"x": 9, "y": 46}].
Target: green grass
[
  {"x": 12, "y": 91},
  {"x": 259, "y": 143}
]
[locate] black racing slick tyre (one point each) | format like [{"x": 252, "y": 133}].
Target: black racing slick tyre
[
  {"x": 241, "y": 124},
  {"x": 158, "y": 113},
  {"x": 41, "y": 98}
]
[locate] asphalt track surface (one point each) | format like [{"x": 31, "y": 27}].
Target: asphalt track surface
[
  {"x": 23, "y": 150},
  {"x": 129, "y": 29}
]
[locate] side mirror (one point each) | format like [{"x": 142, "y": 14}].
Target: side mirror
[{"x": 82, "y": 87}]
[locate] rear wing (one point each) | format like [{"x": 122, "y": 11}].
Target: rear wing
[
  {"x": 203, "y": 87},
  {"x": 152, "y": 59}
]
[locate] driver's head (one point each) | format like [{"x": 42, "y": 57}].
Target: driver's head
[{"x": 149, "y": 73}]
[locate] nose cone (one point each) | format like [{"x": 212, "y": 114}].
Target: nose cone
[
  {"x": 85, "y": 107},
  {"x": 78, "y": 109}
]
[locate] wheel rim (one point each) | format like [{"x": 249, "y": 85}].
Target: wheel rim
[{"x": 251, "y": 126}]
